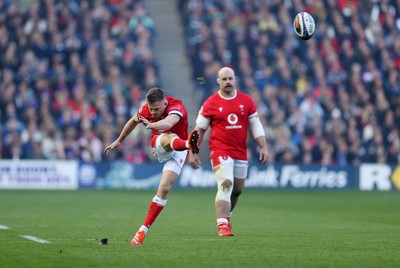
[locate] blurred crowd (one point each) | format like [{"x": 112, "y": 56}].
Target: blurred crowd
[
  {"x": 331, "y": 100},
  {"x": 72, "y": 72}
]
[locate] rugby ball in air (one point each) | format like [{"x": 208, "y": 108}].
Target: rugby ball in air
[{"x": 304, "y": 25}]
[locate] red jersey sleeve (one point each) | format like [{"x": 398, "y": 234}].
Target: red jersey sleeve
[
  {"x": 175, "y": 106},
  {"x": 252, "y": 107}
]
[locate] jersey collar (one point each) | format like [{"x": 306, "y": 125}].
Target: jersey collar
[{"x": 225, "y": 98}]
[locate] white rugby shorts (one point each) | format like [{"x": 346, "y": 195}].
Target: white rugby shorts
[
  {"x": 239, "y": 167},
  {"x": 174, "y": 160}
]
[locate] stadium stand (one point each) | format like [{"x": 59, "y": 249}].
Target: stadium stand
[
  {"x": 332, "y": 100},
  {"x": 72, "y": 72}
]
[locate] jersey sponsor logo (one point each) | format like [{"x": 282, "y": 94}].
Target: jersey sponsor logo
[
  {"x": 233, "y": 126},
  {"x": 233, "y": 119}
]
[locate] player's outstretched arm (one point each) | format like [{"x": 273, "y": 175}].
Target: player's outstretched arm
[{"x": 126, "y": 130}]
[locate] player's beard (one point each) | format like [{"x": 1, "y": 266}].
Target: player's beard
[{"x": 228, "y": 89}]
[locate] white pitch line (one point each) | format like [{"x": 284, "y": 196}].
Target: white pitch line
[
  {"x": 29, "y": 237},
  {"x": 3, "y": 227}
]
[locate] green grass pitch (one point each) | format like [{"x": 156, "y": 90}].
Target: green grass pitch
[{"x": 273, "y": 228}]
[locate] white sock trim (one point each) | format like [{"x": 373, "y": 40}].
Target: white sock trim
[
  {"x": 222, "y": 220},
  {"x": 160, "y": 201},
  {"x": 144, "y": 229}
]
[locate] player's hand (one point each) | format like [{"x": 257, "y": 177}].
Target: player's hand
[
  {"x": 144, "y": 121},
  {"x": 264, "y": 156},
  {"x": 111, "y": 147},
  {"x": 194, "y": 160}
]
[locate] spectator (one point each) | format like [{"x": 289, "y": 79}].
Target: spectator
[
  {"x": 66, "y": 75},
  {"x": 337, "y": 86}
]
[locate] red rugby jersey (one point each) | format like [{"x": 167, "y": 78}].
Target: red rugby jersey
[
  {"x": 174, "y": 106},
  {"x": 229, "y": 120}
]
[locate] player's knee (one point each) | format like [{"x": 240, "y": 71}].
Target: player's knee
[
  {"x": 226, "y": 184},
  {"x": 224, "y": 190},
  {"x": 166, "y": 141}
]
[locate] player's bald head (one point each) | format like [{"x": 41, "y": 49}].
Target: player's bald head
[{"x": 226, "y": 71}]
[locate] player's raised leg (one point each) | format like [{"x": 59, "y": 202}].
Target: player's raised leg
[{"x": 193, "y": 142}]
